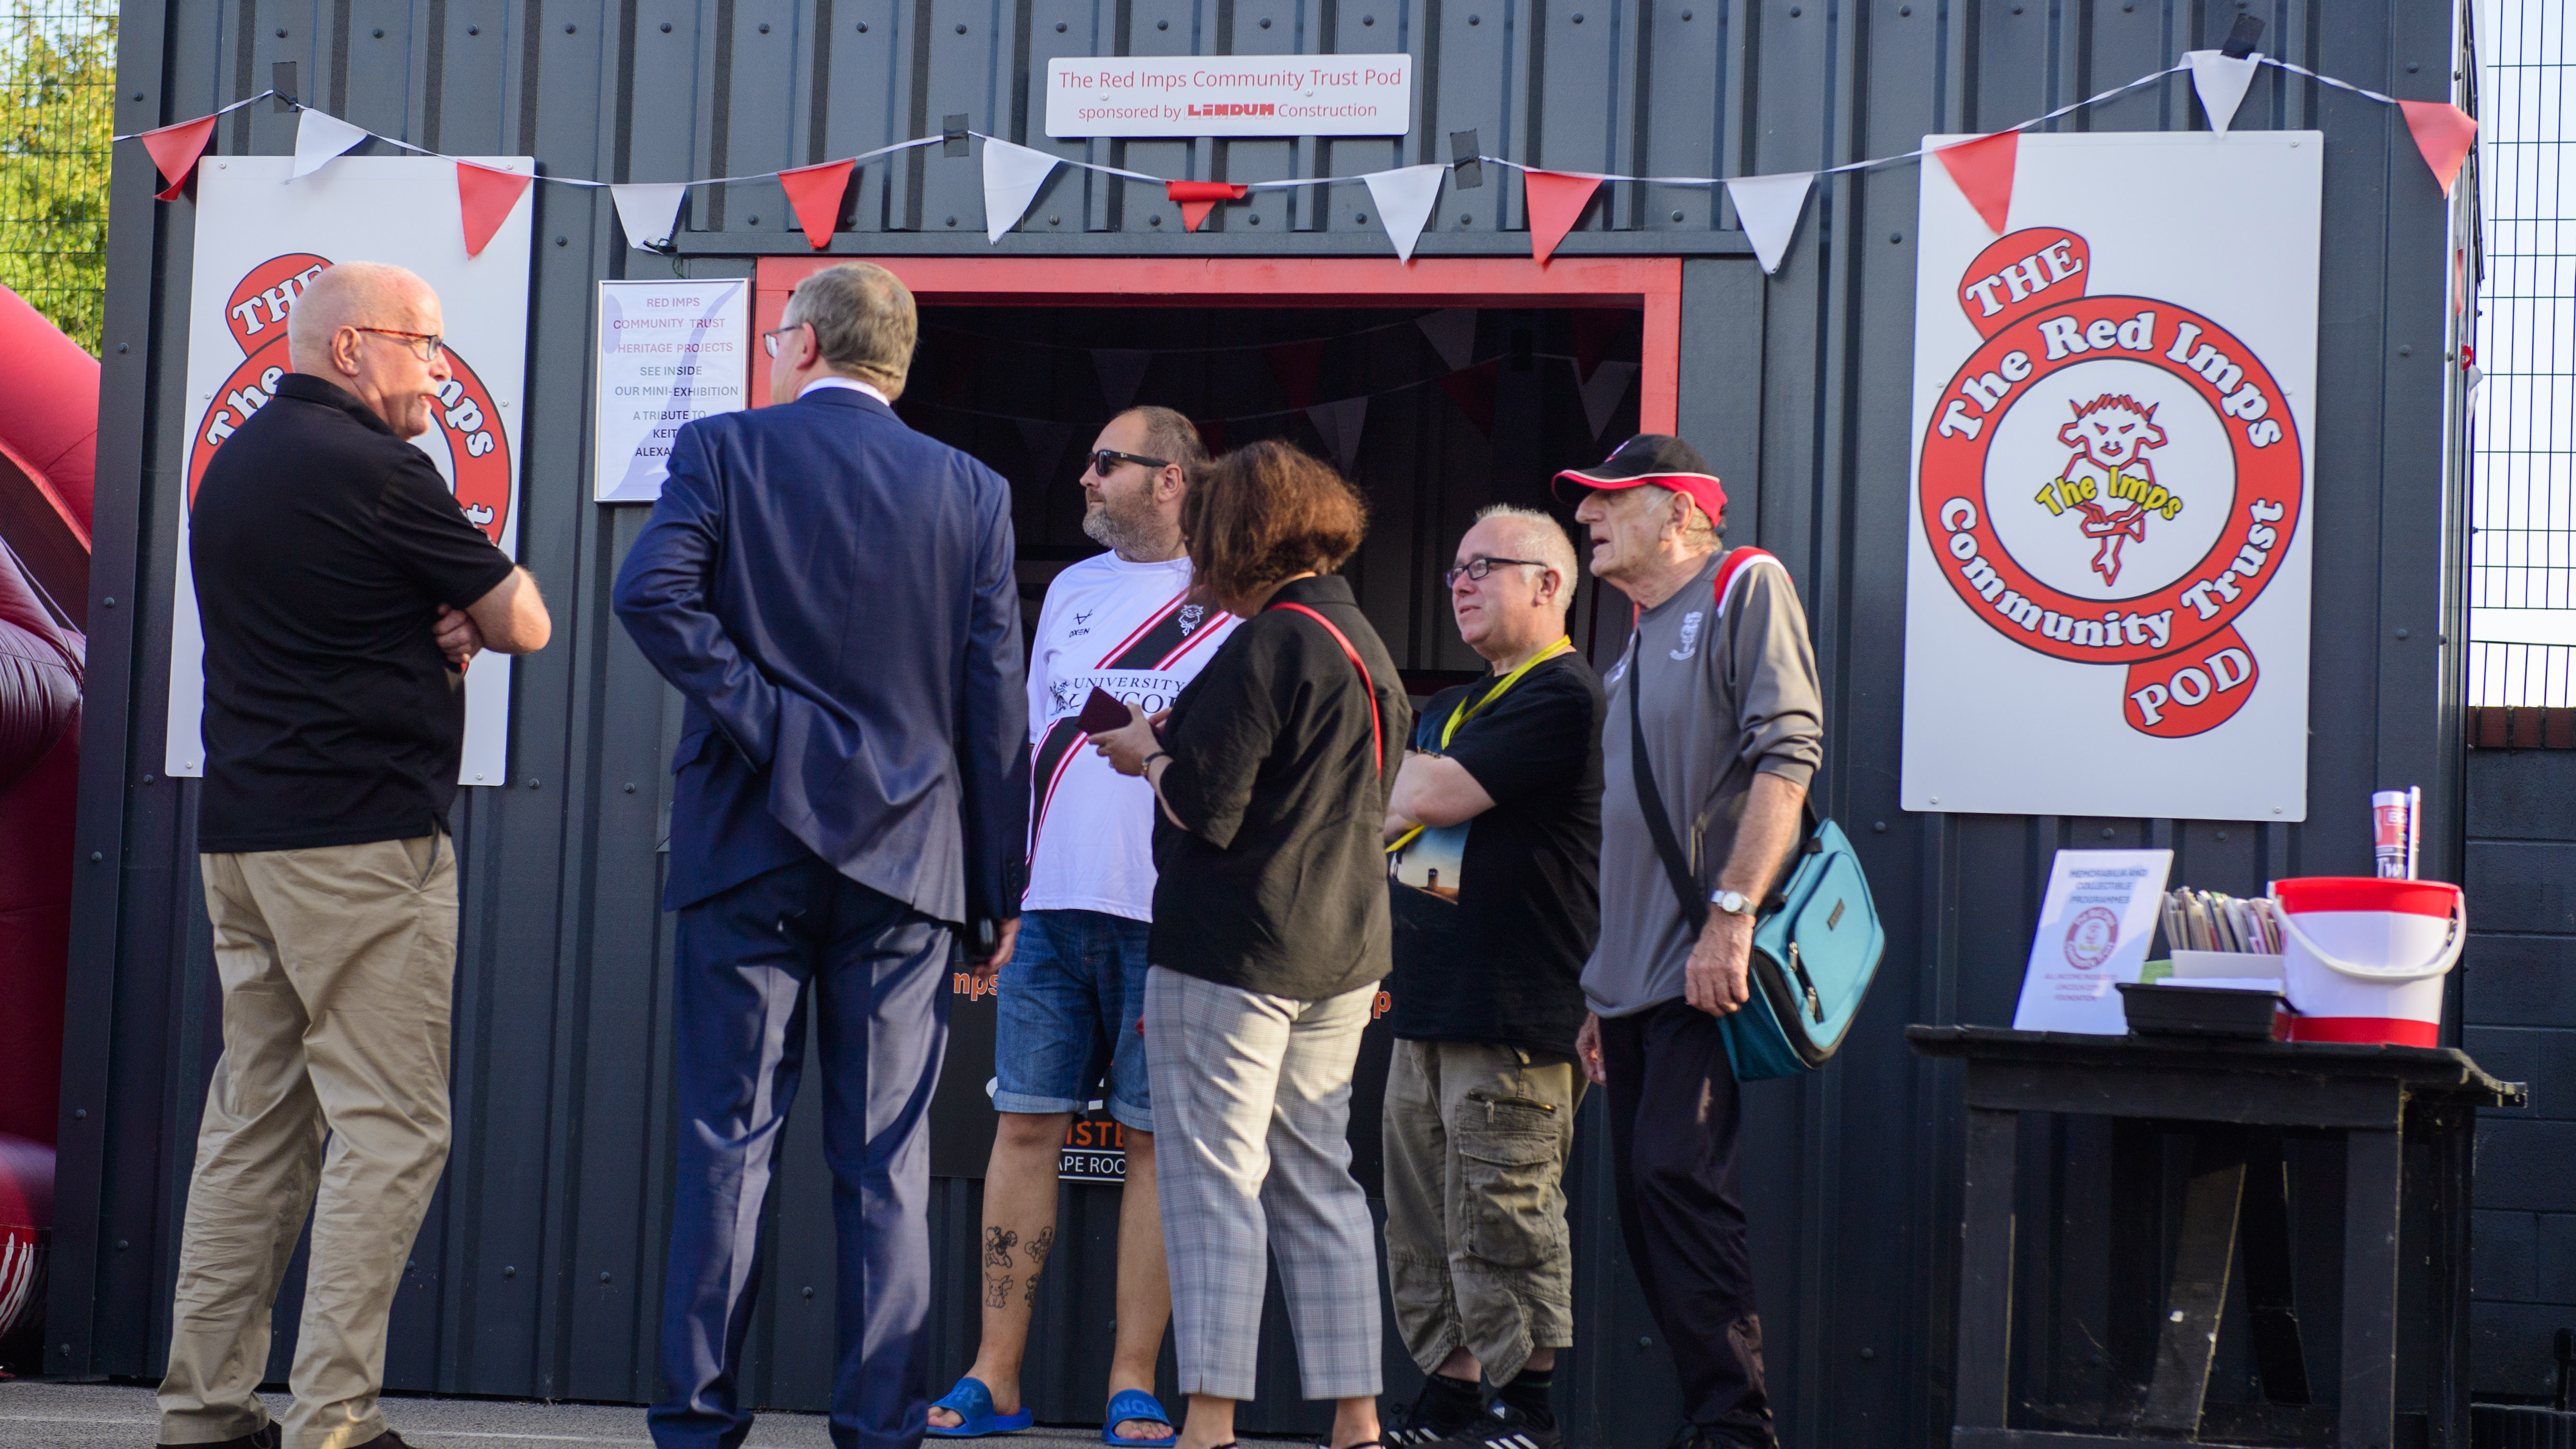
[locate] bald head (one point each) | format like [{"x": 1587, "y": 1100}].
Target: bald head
[
  {"x": 355, "y": 294},
  {"x": 363, "y": 327}
]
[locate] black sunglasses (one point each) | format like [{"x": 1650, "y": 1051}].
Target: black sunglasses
[
  {"x": 1477, "y": 568},
  {"x": 1105, "y": 461}
]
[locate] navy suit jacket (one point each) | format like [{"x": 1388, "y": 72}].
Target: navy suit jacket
[{"x": 833, "y": 593}]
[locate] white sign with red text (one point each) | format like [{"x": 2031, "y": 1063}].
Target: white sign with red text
[
  {"x": 669, "y": 352},
  {"x": 1230, "y": 95},
  {"x": 259, "y": 236},
  {"x": 2107, "y": 582}
]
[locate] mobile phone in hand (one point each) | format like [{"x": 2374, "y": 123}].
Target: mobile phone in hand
[{"x": 1102, "y": 712}]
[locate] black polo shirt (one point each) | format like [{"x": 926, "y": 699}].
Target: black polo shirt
[
  {"x": 1279, "y": 884},
  {"x": 322, "y": 546}
]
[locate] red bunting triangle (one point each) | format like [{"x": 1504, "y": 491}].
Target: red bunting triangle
[
  {"x": 486, "y": 196},
  {"x": 175, "y": 150},
  {"x": 1198, "y": 198},
  {"x": 815, "y": 193},
  {"x": 1472, "y": 389},
  {"x": 1983, "y": 169},
  {"x": 1556, "y": 202},
  {"x": 2444, "y": 133},
  {"x": 1296, "y": 365}
]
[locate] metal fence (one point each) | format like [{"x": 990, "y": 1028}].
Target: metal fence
[
  {"x": 2523, "y": 552},
  {"x": 58, "y": 88}
]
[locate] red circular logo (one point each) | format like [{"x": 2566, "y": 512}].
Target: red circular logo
[{"x": 469, "y": 432}]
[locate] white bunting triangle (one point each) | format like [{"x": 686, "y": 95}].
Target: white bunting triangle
[
  {"x": 1339, "y": 424},
  {"x": 319, "y": 138},
  {"x": 1453, "y": 334},
  {"x": 1122, "y": 371},
  {"x": 2221, "y": 81},
  {"x": 1045, "y": 442},
  {"x": 650, "y": 211},
  {"x": 1768, "y": 207},
  {"x": 1601, "y": 395},
  {"x": 1404, "y": 200},
  {"x": 1012, "y": 176}
]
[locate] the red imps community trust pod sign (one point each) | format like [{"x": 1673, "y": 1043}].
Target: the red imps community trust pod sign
[
  {"x": 2107, "y": 592},
  {"x": 260, "y": 237}
]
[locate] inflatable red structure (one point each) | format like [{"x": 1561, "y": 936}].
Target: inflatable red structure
[{"x": 48, "y": 437}]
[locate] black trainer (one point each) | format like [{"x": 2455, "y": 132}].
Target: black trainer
[
  {"x": 1445, "y": 1408},
  {"x": 1506, "y": 1426},
  {"x": 266, "y": 1436}
]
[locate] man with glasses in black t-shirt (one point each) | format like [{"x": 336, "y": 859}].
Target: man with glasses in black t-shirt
[{"x": 1494, "y": 835}]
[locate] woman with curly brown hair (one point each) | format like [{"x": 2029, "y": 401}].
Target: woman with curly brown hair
[{"x": 1270, "y": 936}]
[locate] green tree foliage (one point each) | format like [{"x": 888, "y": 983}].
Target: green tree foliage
[{"x": 58, "y": 88}]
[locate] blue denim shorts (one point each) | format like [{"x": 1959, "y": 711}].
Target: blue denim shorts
[{"x": 1071, "y": 999}]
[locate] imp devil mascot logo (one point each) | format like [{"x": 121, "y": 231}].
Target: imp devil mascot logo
[
  {"x": 469, "y": 435},
  {"x": 2114, "y": 480}
]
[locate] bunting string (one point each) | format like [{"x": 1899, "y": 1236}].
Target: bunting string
[{"x": 1767, "y": 206}]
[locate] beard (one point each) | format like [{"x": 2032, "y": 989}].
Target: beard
[{"x": 1121, "y": 524}]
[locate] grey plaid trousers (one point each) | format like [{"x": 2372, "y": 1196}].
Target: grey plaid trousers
[{"x": 1252, "y": 1105}]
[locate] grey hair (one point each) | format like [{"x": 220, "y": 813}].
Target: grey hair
[
  {"x": 1541, "y": 534},
  {"x": 348, "y": 294},
  {"x": 864, "y": 322},
  {"x": 1171, "y": 437}
]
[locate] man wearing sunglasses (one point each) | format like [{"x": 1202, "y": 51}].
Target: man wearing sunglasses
[
  {"x": 1123, "y": 622},
  {"x": 342, "y": 592},
  {"x": 1494, "y": 833}
]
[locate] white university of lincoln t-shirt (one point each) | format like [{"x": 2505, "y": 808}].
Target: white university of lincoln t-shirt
[{"x": 1128, "y": 628}]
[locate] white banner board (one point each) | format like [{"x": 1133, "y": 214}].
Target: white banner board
[
  {"x": 259, "y": 236},
  {"x": 2107, "y": 581},
  {"x": 1230, "y": 95},
  {"x": 668, "y": 352},
  {"x": 2095, "y": 924}
]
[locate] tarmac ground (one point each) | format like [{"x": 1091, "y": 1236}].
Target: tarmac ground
[{"x": 118, "y": 1416}]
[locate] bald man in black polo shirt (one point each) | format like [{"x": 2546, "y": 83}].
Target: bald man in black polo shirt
[{"x": 342, "y": 594}]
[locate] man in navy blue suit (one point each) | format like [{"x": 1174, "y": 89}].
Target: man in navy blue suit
[{"x": 832, "y": 592}]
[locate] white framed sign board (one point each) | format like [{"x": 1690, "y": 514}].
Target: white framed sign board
[
  {"x": 1229, "y": 95},
  {"x": 259, "y": 236},
  {"x": 2107, "y": 576},
  {"x": 669, "y": 352},
  {"x": 2095, "y": 924}
]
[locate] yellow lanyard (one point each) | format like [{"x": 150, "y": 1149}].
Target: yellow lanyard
[{"x": 1449, "y": 731}]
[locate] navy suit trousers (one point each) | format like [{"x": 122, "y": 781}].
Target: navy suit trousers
[{"x": 751, "y": 960}]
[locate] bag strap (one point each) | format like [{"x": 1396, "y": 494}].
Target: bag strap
[
  {"x": 1377, "y": 731},
  {"x": 1650, "y": 801}
]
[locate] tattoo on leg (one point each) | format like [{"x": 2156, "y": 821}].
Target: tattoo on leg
[
  {"x": 997, "y": 1290},
  {"x": 1031, "y": 1301},
  {"x": 1037, "y": 1250},
  {"x": 998, "y": 1243}
]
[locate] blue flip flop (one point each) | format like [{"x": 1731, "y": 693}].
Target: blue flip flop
[
  {"x": 1136, "y": 1404},
  {"x": 972, "y": 1403}
]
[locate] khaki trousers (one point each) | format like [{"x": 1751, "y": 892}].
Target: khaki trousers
[
  {"x": 1476, "y": 1137},
  {"x": 337, "y": 966}
]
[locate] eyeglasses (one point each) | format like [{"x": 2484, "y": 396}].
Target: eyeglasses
[
  {"x": 1477, "y": 568},
  {"x": 1105, "y": 461},
  {"x": 424, "y": 345},
  {"x": 769, "y": 339}
]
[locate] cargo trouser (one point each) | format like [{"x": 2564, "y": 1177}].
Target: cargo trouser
[
  {"x": 337, "y": 965},
  {"x": 1476, "y": 1137}
]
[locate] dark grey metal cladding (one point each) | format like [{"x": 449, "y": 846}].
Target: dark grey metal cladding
[{"x": 1796, "y": 386}]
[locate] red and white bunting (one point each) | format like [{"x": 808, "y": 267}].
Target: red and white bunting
[
  {"x": 320, "y": 139},
  {"x": 175, "y": 149},
  {"x": 486, "y": 194},
  {"x": 1404, "y": 198},
  {"x": 815, "y": 193},
  {"x": 1768, "y": 207},
  {"x": 649, "y": 210},
  {"x": 1012, "y": 178},
  {"x": 2220, "y": 79},
  {"x": 1983, "y": 170},
  {"x": 1556, "y": 202}
]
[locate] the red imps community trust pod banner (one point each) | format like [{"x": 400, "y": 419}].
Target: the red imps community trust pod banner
[
  {"x": 2107, "y": 586},
  {"x": 259, "y": 236}
]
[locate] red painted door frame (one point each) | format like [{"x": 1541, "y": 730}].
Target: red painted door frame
[{"x": 1651, "y": 284}]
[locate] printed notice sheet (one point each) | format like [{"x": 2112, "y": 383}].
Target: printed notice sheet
[
  {"x": 2094, "y": 929},
  {"x": 668, "y": 352}
]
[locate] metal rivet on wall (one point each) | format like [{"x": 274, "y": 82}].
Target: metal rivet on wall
[
  {"x": 122, "y": 1245},
  {"x": 1479, "y": 19},
  {"x": 95, "y": 857},
  {"x": 120, "y": 347},
  {"x": 110, "y": 601},
  {"x": 630, "y": 787},
  {"x": 532, "y": 784},
  {"x": 1677, "y": 216},
  {"x": 1155, "y": 220},
  {"x": 1686, "y": 15},
  {"x": 863, "y": 27},
  {"x": 1880, "y": 827},
  {"x": 603, "y": 1277},
  {"x": 952, "y": 221},
  {"x": 809, "y": 1291},
  {"x": 567, "y": 30},
  {"x": 1368, "y": 20},
  {"x": 2400, "y": 634},
  {"x": 474, "y": 30},
  {"x": 1265, "y": 22},
  {"x": 380, "y": 34},
  {"x": 1059, "y": 27},
  {"x": 1894, "y": 237},
  {"x": 1578, "y": 17},
  {"x": 1055, "y": 221},
  {"x": 1360, "y": 216},
  {"x": 666, "y": 27},
  {"x": 961, "y": 27},
  {"x": 2406, "y": 352},
  {"x": 764, "y": 27},
  {"x": 148, "y": 779},
  {"x": 1162, "y": 25},
  {"x": 2106, "y": 832},
  {"x": 281, "y": 32},
  {"x": 79, "y": 1114},
  {"x": 751, "y": 221},
  {"x": 561, "y": 242},
  {"x": 2222, "y": 835},
  {"x": 509, "y": 1272}
]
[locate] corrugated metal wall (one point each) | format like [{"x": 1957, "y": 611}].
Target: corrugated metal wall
[{"x": 538, "y": 1268}]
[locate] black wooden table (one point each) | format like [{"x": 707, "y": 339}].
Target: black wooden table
[{"x": 2238, "y": 1099}]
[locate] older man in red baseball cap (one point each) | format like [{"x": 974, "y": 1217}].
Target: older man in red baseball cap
[{"x": 1714, "y": 727}]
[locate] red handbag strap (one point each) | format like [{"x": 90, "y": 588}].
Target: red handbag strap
[{"x": 1377, "y": 731}]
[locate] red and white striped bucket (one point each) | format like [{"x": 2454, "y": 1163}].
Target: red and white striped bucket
[{"x": 2363, "y": 959}]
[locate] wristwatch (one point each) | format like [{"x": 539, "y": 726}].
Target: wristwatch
[{"x": 1733, "y": 903}]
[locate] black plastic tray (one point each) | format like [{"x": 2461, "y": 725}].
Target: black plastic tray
[{"x": 2160, "y": 1009}]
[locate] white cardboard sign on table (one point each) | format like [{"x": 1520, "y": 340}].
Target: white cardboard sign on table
[
  {"x": 2107, "y": 578},
  {"x": 259, "y": 236},
  {"x": 1230, "y": 95},
  {"x": 2094, "y": 928},
  {"x": 668, "y": 352}
]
